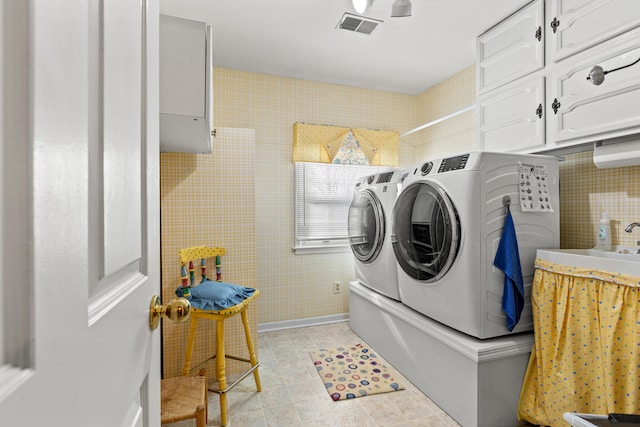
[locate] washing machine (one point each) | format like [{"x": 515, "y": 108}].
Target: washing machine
[
  {"x": 447, "y": 224},
  {"x": 369, "y": 228}
]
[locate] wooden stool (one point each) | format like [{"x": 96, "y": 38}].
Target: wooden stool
[
  {"x": 186, "y": 256},
  {"x": 182, "y": 398}
]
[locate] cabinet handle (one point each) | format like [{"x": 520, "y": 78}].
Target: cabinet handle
[
  {"x": 596, "y": 75},
  {"x": 556, "y": 105},
  {"x": 539, "y": 111},
  {"x": 539, "y": 33},
  {"x": 554, "y": 24}
]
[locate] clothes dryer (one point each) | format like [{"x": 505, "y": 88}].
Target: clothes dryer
[
  {"x": 370, "y": 230},
  {"x": 447, "y": 224}
]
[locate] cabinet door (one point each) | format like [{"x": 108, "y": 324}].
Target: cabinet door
[
  {"x": 183, "y": 52},
  {"x": 512, "y": 117},
  {"x": 511, "y": 49},
  {"x": 574, "y": 25},
  {"x": 185, "y": 85},
  {"x": 581, "y": 111}
]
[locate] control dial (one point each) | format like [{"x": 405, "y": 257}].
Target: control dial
[{"x": 426, "y": 168}]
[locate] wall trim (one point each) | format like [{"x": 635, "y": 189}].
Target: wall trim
[{"x": 301, "y": 323}]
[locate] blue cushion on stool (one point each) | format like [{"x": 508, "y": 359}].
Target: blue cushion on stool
[{"x": 210, "y": 295}]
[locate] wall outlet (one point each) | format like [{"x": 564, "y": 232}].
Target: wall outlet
[{"x": 337, "y": 287}]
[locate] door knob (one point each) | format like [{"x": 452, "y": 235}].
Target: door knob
[{"x": 178, "y": 310}]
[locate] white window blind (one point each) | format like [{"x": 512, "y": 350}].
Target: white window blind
[{"x": 323, "y": 195}]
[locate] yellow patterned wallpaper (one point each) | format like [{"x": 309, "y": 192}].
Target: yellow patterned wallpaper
[
  {"x": 296, "y": 286},
  {"x": 587, "y": 192},
  {"x": 209, "y": 199},
  {"x": 453, "y": 136}
]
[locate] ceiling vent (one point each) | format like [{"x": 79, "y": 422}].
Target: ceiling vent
[{"x": 358, "y": 24}]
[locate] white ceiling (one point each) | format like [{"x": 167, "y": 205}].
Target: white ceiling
[{"x": 299, "y": 39}]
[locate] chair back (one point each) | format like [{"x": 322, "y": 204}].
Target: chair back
[{"x": 195, "y": 253}]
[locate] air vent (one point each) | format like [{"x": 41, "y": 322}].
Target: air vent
[{"x": 358, "y": 24}]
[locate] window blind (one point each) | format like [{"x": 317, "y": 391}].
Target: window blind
[{"x": 324, "y": 193}]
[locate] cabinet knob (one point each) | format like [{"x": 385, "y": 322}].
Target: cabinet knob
[
  {"x": 539, "y": 111},
  {"x": 554, "y": 24},
  {"x": 539, "y": 33},
  {"x": 555, "y": 105},
  {"x": 596, "y": 75}
]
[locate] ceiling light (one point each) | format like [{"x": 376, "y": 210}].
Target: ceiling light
[
  {"x": 400, "y": 8},
  {"x": 361, "y": 5}
]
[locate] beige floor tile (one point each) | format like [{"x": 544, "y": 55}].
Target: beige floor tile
[
  {"x": 275, "y": 396},
  {"x": 281, "y": 415},
  {"x": 353, "y": 418},
  {"x": 345, "y": 405},
  {"x": 313, "y": 409},
  {"x": 305, "y": 389},
  {"x": 414, "y": 406},
  {"x": 382, "y": 410},
  {"x": 247, "y": 419}
]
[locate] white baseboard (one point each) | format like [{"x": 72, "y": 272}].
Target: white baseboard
[{"x": 301, "y": 323}]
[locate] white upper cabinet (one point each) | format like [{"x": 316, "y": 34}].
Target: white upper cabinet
[
  {"x": 576, "y": 25},
  {"x": 511, "y": 49},
  {"x": 185, "y": 85},
  {"x": 580, "y": 111},
  {"x": 512, "y": 118},
  {"x": 578, "y": 35}
]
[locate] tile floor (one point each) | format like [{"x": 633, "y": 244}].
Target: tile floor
[{"x": 293, "y": 394}]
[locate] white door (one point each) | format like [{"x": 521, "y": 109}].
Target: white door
[{"x": 79, "y": 213}]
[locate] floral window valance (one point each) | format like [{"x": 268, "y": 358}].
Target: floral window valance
[{"x": 341, "y": 145}]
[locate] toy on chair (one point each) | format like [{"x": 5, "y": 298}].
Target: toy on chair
[{"x": 216, "y": 300}]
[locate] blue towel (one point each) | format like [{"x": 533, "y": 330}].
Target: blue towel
[
  {"x": 210, "y": 295},
  {"x": 508, "y": 260}
]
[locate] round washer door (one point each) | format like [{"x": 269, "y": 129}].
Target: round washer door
[
  {"x": 426, "y": 231},
  {"x": 366, "y": 226}
]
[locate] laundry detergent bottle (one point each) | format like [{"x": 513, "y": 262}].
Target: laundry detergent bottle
[{"x": 604, "y": 233}]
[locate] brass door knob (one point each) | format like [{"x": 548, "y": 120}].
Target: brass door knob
[{"x": 177, "y": 310}]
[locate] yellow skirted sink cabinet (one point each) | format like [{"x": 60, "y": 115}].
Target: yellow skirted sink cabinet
[{"x": 586, "y": 355}]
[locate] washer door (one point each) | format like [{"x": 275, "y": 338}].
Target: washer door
[
  {"x": 366, "y": 226},
  {"x": 426, "y": 231}
]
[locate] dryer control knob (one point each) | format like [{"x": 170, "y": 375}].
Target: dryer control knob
[{"x": 426, "y": 168}]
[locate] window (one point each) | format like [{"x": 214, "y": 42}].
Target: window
[{"x": 323, "y": 195}]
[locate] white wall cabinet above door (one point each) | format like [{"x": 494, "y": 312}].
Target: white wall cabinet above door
[
  {"x": 512, "y": 118},
  {"x": 575, "y": 25},
  {"x": 185, "y": 85},
  {"x": 511, "y": 49},
  {"x": 579, "y": 111}
]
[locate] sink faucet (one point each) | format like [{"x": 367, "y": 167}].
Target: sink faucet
[{"x": 632, "y": 226}]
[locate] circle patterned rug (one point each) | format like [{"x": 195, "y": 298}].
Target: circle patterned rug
[{"x": 354, "y": 371}]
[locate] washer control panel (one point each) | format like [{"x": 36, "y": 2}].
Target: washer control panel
[{"x": 453, "y": 163}]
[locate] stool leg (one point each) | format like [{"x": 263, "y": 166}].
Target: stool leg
[
  {"x": 201, "y": 416},
  {"x": 252, "y": 354},
  {"x": 189, "y": 351},
  {"x": 220, "y": 370}
]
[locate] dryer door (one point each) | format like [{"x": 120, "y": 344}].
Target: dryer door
[
  {"x": 366, "y": 226},
  {"x": 426, "y": 231}
]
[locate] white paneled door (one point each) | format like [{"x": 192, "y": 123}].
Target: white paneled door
[{"x": 79, "y": 213}]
